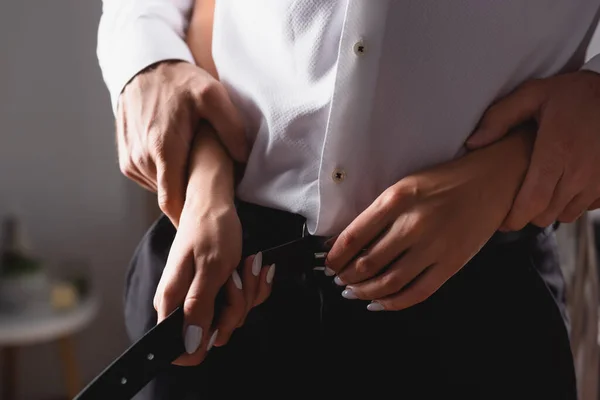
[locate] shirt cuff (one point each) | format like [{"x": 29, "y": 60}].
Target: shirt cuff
[
  {"x": 593, "y": 64},
  {"x": 142, "y": 42}
]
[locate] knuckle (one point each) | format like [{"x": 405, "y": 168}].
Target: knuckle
[
  {"x": 212, "y": 261},
  {"x": 537, "y": 202},
  {"x": 390, "y": 199},
  {"x": 125, "y": 165},
  {"x": 165, "y": 202},
  {"x": 549, "y": 169},
  {"x": 209, "y": 92},
  {"x": 364, "y": 265},
  {"x": 530, "y": 86},
  {"x": 392, "y": 281},
  {"x": 406, "y": 191},
  {"x": 513, "y": 224},
  {"x": 191, "y": 305},
  {"x": 206, "y": 256},
  {"x": 347, "y": 239},
  {"x": 491, "y": 115},
  {"x": 141, "y": 159},
  {"x": 169, "y": 292}
]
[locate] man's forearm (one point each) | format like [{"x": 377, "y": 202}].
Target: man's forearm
[{"x": 134, "y": 34}]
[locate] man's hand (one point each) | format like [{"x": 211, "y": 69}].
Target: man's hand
[
  {"x": 424, "y": 229},
  {"x": 159, "y": 111},
  {"x": 563, "y": 180}
]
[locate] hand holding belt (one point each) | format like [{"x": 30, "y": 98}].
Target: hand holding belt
[{"x": 163, "y": 344}]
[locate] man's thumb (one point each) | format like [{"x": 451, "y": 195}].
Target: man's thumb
[{"x": 520, "y": 106}]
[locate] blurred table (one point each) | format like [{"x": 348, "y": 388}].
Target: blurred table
[{"x": 21, "y": 329}]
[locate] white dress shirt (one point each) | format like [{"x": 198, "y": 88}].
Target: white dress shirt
[{"x": 343, "y": 98}]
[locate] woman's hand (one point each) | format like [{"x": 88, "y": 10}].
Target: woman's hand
[
  {"x": 424, "y": 229},
  {"x": 203, "y": 258},
  {"x": 205, "y": 255}
]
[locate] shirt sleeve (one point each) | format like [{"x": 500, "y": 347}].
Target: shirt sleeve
[{"x": 134, "y": 34}]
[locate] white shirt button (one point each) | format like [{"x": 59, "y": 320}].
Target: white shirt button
[
  {"x": 359, "y": 48},
  {"x": 338, "y": 175}
]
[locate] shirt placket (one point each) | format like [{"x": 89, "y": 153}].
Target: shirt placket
[{"x": 360, "y": 51}]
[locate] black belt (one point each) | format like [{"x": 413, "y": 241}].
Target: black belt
[{"x": 163, "y": 344}]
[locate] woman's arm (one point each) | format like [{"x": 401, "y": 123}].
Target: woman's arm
[
  {"x": 211, "y": 173},
  {"x": 199, "y": 35},
  {"x": 425, "y": 228}
]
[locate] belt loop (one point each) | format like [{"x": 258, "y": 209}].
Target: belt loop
[{"x": 304, "y": 230}]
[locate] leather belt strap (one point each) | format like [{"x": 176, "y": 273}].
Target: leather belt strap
[{"x": 163, "y": 344}]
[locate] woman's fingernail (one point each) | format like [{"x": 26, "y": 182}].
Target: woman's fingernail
[
  {"x": 375, "y": 306},
  {"x": 349, "y": 294},
  {"x": 237, "y": 281},
  {"x": 211, "y": 342},
  {"x": 257, "y": 264},
  {"x": 270, "y": 274},
  {"x": 329, "y": 271},
  {"x": 193, "y": 338},
  {"x": 338, "y": 281}
]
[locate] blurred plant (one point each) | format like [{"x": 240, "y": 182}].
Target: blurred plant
[{"x": 15, "y": 258}]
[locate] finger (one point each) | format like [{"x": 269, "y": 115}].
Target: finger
[
  {"x": 233, "y": 312},
  {"x": 171, "y": 174},
  {"x": 563, "y": 195},
  {"x": 595, "y": 204},
  {"x": 141, "y": 180},
  {"x": 198, "y": 309},
  {"x": 381, "y": 254},
  {"x": 250, "y": 273},
  {"x": 362, "y": 231},
  {"x": 575, "y": 209},
  {"x": 175, "y": 280},
  {"x": 518, "y": 107},
  {"x": 418, "y": 291},
  {"x": 131, "y": 171},
  {"x": 537, "y": 190},
  {"x": 215, "y": 105},
  {"x": 265, "y": 284},
  {"x": 393, "y": 280}
]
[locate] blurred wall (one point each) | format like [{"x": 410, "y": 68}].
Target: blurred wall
[{"x": 58, "y": 163}]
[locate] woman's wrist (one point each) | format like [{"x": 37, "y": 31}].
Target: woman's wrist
[
  {"x": 211, "y": 172},
  {"x": 511, "y": 156}
]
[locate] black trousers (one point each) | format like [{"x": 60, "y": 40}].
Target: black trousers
[{"x": 496, "y": 330}]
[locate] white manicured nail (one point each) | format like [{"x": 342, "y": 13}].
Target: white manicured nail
[
  {"x": 211, "y": 342},
  {"x": 193, "y": 338},
  {"x": 338, "y": 281},
  {"x": 270, "y": 274},
  {"x": 257, "y": 264},
  {"x": 329, "y": 272},
  {"x": 349, "y": 294},
  {"x": 237, "y": 281},
  {"x": 375, "y": 306}
]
